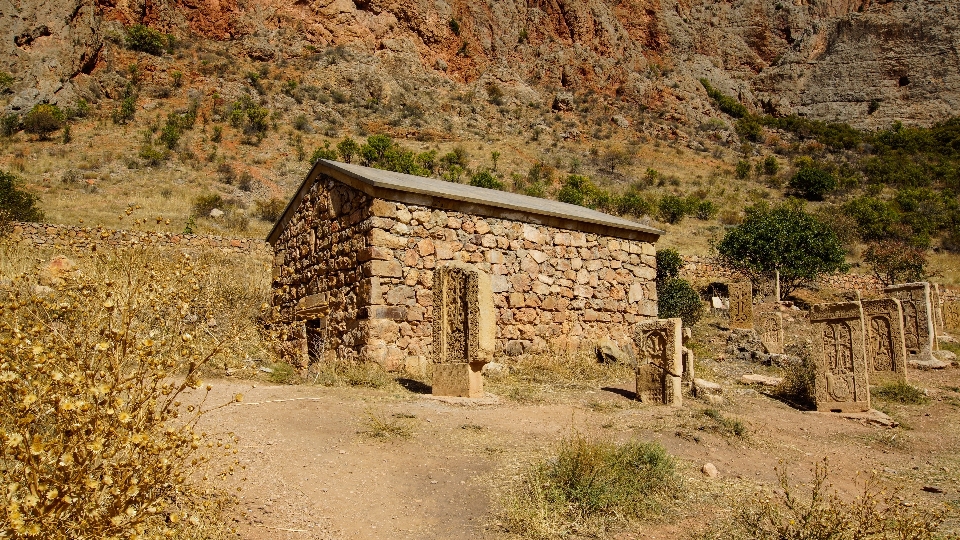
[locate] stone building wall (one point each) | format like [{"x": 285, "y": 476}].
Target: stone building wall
[
  {"x": 552, "y": 288},
  {"x": 319, "y": 255},
  {"x": 365, "y": 266}
]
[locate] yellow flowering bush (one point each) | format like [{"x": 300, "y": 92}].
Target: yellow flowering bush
[{"x": 100, "y": 395}]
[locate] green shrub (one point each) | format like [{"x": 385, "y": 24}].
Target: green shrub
[
  {"x": 677, "y": 298},
  {"x": 15, "y": 203},
  {"x": 577, "y": 189},
  {"x": 876, "y": 219},
  {"x": 900, "y": 392},
  {"x": 770, "y": 165},
  {"x": 724, "y": 425},
  {"x": 750, "y": 128},
  {"x": 669, "y": 264},
  {"x": 813, "y": 181},
  {"x": 9, "y": 124},
  {"x": 454, "y": 26},
  {"x": 672, "y": 209},
  {"x": 6, "y": 81},
  {"x": 796, "y": 387},
  {"x": 704, "y": 210},
  {"x": 145, "y": 39},
  {"x": 204, "y": 204},
  {"x": 724, "y": 102},
  {"x": 348, "y": 149},
  {"x": 589, "y": 487},
  {"x": 43, "y": 119},
  {"x": 127, "y": 110},
  {"x": 786, "y": 239},
  {"x": 245, "y": 114},
  {"x": 485, "y": 179},
  {"x": 324, "y": 152},
  {"x": 743, "y": 169},
  {"x": 633, "y": 204}
]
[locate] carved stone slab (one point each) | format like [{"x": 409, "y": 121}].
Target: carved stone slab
[
  {"x": 841, "y": 379},
  {"x": 741, "y": 304},
  {"x": 936, "y": 311},
  {"x": 951, "y": 316},
  {"x": 771, "y": 331},
  {"x": 918, "y": 331},
  {"x": 464, "y": 332},
  {"x": 458, "y": 380},
  {"x": 886, "y": 351},
  {"x": 659, "y": 361},
  {"x": 463, "y": 315}
]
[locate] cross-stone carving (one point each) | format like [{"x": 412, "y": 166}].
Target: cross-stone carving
[
  {"x": 841, "y": 379},
  {"x": 741, "y": 304},
  {"x": 659, "y": 361},
  {"x": 886, "y": 350},
  {"x": 771, "y": 331},
  {"x": 951, "y": 316},
  {"x": 463, "y": 329},
  {"x": 918, "y": 329}
]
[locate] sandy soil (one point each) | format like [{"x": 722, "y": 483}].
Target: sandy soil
[{"x": 313, "y": 474}]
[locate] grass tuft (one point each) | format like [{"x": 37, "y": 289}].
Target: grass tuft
[
  {"x": 723, "y": 425},
  {"x": 590, "y": 486},
  {"x": 346, "y": 373},
  {"x": 900, "y": 392},
  {"x": 381, "y": 426}
]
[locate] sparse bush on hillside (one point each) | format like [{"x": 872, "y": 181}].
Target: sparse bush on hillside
[
  {"x": 382, "y": 152},
  {"x": 9, "y": 124},
  {"x": 145, "y": 39},
  {"x": 44, "y": 119},
  {"x": 786, "y": 239},
  {"x": 770, "y": 165},
  {"x": 271, "y": 210},
  {"x": 15, "y": 203},
  {"x": 127, "y": 110},
  {"x": 246, "y": 115},
  {"x": 204, "y": 204},
  {"x": 894, "y": 261},
  {"x": 672, "y": 209},
  {"x": 750, "y": 128},
  {"x": 324, "y": 152},
  {"x": 743, "y": 169},
  {"x": 485, "y": 179},
  {"x": 6, "y": 81},
  {"x": 812, "y": 181},
  {"x": 724, "y": 102}
]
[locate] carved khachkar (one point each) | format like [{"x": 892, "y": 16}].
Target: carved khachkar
[
  {"x": 886, "y": 352},
  {"x": 936, "y": 310},
  {"x": 841, "y": 379},
  {"x": 659, "y": 361},
  {"x": 771, "y": 331},
  {"x": 463, "y": 329},
  {"x": 951, "y": 316},
  {"x": 741, "y": 304},
  {"x": 918, "y": 330}
]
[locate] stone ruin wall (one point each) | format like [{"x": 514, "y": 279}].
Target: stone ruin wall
[
  {"x": 551, "y": 287},
  {"x": 45, "y": 234},
  {"x": 318, "y": 254}
]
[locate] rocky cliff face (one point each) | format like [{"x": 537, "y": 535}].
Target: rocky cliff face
[{"x": 826, "y": 59}]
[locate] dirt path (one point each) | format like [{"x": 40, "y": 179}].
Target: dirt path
[{"x": 312, "y": 474}]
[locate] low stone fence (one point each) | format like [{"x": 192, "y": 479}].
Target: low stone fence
[
  {"x": 708, "y": 268},
  {"x": 87, "y": 237}
]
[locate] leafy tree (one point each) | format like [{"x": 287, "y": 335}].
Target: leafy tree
[
  {"x": 485, "y": 179},
  {"x": 324, "y": 152},
  {"x": 577, "y": 190},
  {"x": 673, "y": 209},
  {"x": 15, "y": 203},
  {"x": 44, "y": 119},
  {"x": 812, "y": 181},
  {"x": 894, "y": 261},
  {"x": 348, "y": 149},
  {"x": 675, "y": 296},
  {"x": 786, "y": 239},
  {"x": 145, "y": 39}
]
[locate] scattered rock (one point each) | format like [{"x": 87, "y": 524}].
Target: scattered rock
[
  {"x": 563, "y": 101},
  {"x": 266, "y": 369},
  {"x": 703, "y": 387},
  {"x": 608, "y": 352},
  {"x": 495, "y": 370},
  {"x": 620, "y": 121},
  {"x": 513, "y": 348},
  {"x": 765, "y": 380},
  {"x": 945, "y": 356},
  {"x": 216, "y": 213},
  {"x": 710, "y": 470},
  {"x": 931, "y": 489},
  {"x": 931, "y": 363},
  {"x": 871, "y": 417}
]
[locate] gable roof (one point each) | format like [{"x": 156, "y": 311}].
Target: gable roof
[{"x": 417, "y": 190}]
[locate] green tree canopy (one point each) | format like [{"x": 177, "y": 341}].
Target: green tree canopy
[
  {"x": 786, "y": 239},
  {"x": 15, "y": 203}
]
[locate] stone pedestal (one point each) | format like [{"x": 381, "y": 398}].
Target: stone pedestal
[{"x": 460, "y": 379}]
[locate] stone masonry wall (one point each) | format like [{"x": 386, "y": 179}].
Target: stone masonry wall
[
  {"x": 318, "y": 256},
  {"x": 87, "y": 237},
  {"x": 552, "y": 287}
]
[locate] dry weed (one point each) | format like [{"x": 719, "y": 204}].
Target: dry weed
[{"x": 100, "y": 395}]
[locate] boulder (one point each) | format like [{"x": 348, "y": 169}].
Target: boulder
[{"x": 608, "y": 352}]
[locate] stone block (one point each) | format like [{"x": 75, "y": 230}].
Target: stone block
[
  {"x": 886, "y": 348},
  {"x": 397, "y": 313},
  {"x": 951, "y": 316},
  {"x": 636, "y": 293},
  {"x": 532, "y": 234},
  {"x": 426, "y": 247},
  {"x": 841, "y": 378},
  {"x": 381, "y": 208},
  {"x": 741, "y": 304},
  {"x": 659, "y": 361},
  {"x": 381, "y": 238},
  {"x": 460, "y": 379},
  {"x": 374, "y": 253},
  {"x": 382, "y": 269}
]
